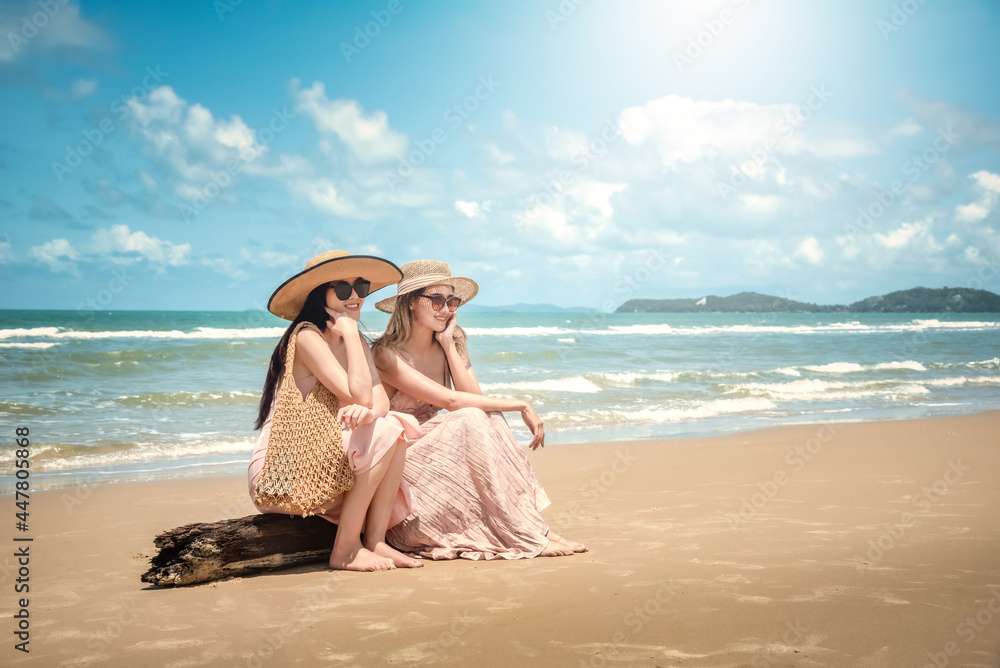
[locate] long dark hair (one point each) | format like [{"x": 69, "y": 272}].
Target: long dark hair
[{"x": 313, "y": 311}]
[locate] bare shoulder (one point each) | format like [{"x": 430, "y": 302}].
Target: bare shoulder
[
  {"x": 384, "y": 356},
  {"x": 310, "y": 333}
]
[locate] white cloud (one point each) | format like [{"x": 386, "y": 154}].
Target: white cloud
[
  {"x": 369, "y": 138},
  {"x": 324, "y": 196},
  {"x": 810, "y": 251},
  {"x": 22, "y": 30},
  {"x": 987, "y": 180},
  {"x": 274, "y": 259},
  {"x": 761, "y": 203},
  {"x": 223, "y": 266},
  {"x": 907, "y": 128},
  {"x": 978, "y": 210},
  {"x": 197, "y": 150},
  {"x": 470, "y": 209},
  {"x": 82, "y": 88},
  {"x": 501, "y": 156},
  {"x": 147, "y": 180},
  {"x": 59, "y": 254},
  {"x": 683, "y": 130},
  {"x": 904, "y": 235},
  {"x": 126, "y": 247},
  {"x": 6, "y": 253},
  {"x": 971, "y": 212}
]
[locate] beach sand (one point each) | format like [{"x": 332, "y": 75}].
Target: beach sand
[{"x": 868, "y": 544}]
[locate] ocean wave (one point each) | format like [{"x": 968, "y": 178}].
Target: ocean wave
[
  {"x": 79, "y": 457},
  {"x": 34, "y": 331},
  {"x": 575, "y": 384},
  {"x": 852, "y": 367},
  {"x": 39, "y": 345},
  {"x": 564, "y": 333},
  {"x": 196, "y": 333},
  {"x": 813, "y": 389},
  {"x": 628, "y": 378},
  {"x": 519, "y": 331},
  {"x": 174, "y": 399},
  {"x": 654, "y": 415}
]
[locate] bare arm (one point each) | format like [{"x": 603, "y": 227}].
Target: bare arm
[
  {"x": 408, "y": 380},
  {"x": 380, "y": 400},
  {"x": 462, "y": 374},
  {"x": 353, "y": 385}
]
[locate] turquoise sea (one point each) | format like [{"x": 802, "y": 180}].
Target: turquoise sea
[{"x": 130, "y": 395}]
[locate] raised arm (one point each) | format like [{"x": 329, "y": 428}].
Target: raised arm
[
  {"x": 462, "y": 374},
  {"x": 353, "y": 385}
]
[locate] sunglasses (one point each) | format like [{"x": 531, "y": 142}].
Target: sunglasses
[
  {"x": 438, "y": 301},
  {"x": 343, "y": 289}
]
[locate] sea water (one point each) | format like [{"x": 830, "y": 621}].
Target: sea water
[{"x": 130, "y": 395}]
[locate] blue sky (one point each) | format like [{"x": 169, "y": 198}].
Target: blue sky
[{"x": 192, "y": 155}]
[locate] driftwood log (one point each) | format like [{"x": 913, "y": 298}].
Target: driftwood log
[{"x": 197, "y": 553}]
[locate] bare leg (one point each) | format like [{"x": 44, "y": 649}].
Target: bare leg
[
  {"x": 348, "y": 552},
  {"x": 380, "y": 509}
]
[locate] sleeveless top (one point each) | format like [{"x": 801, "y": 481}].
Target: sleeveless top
[{"x": 404, "y": 403}]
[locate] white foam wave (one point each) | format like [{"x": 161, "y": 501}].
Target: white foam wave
[
  {"x": 698, "y": 411},
  {"x": 853, "y": 327},
  {"x": 196, "y": 333},
  {"x": 836, "y": 367},
  {"x": 519, "y": 331},
  {"x": 908, "y": 364},
  {"x": 813, "y": 389},
  {"x": 577, "y": 384},
  {"x": 37, "y": 345},
  {"x": 569, "y": 340},
  {"x": 148, "y": 452},
  {"x": 633, "y": 377},
  {"x": 788, "y": 371},
  {"x": 641, "y": 330}
]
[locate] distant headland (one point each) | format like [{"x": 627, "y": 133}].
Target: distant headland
[{"x": 915, "y": 300}]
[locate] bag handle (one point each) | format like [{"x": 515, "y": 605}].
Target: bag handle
[{"x": 290, "y": 352}]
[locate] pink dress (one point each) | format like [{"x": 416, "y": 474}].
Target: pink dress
[
  {"x": 474, "y": 492},
  {"x": 365, "y": 446}
]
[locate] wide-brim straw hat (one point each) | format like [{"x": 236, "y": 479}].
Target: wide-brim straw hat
[
  {"x": 335, "y": 265},
  {"x": 421, "y": 273}
]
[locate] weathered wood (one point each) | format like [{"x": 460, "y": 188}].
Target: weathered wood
[{"x": 197, "y": 553}]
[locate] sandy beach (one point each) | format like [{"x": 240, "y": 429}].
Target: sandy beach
[{"x": 864, "y": 544}]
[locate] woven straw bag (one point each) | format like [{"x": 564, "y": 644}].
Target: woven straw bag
[{"x": 305, "y": 465}]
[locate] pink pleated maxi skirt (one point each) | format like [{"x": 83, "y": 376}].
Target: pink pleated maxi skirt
[{"x": 474, "y": 493}]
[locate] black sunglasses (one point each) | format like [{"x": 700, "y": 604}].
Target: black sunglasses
[
  {"x": 343, "y": 289},
  {"x": 438, "y": 302}
]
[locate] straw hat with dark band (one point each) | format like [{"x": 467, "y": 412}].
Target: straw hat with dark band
[
  {"x": 421, "y": 273},
  {"x": 335, "y": 265}
]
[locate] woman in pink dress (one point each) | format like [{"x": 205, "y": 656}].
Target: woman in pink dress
[
  {"x": 331, "y": 352},
  {"x": 475, "y": 494}
]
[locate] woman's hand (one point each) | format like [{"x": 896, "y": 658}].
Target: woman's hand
[
  {"x": 353, "y": 416},
  {"x": 534, "y": 423},
  {"x": 341, "y": 323},
  {"x": 447, "y": 337}
]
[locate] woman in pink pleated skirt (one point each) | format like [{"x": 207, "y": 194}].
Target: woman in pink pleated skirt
[{"x": 474, "y": 493}]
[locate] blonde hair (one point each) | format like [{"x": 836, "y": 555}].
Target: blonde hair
[{"x": 400, "y": 325}]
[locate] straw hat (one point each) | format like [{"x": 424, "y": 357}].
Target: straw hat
[
  {"x": 421, "y": 273},
  {"x": 290, "y": 297}
]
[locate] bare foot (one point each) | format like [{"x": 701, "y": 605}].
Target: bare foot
[
  {"x": 576, "y": 547},
  {"x": 359, "y": 559},
  {"x": 556, "y": 549},
  {"x": 383, "y": 549}
]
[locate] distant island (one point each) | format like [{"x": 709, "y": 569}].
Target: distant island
[{"x": 915, "y": 300}]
